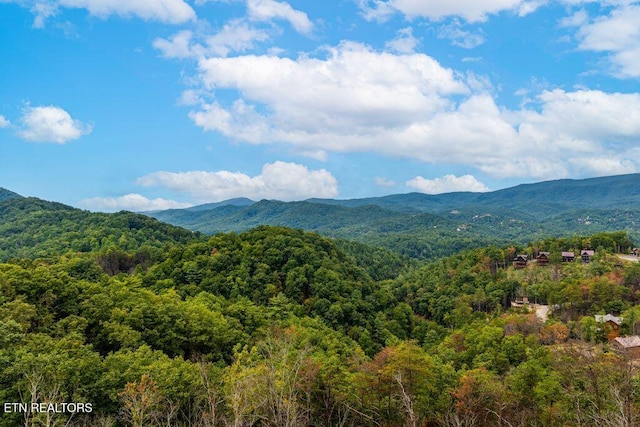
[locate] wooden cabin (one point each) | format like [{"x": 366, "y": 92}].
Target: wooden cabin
[
  {"x": 628, "y": 346},
  {"x": 520, "y": 301},
  {"x": 610, "y": 323},
  {"x": 586, "y": 255},
  {"x": 543, "y": 258},
  {"x": 520, "y": 261},
  {"x": 568, "y": 256}
]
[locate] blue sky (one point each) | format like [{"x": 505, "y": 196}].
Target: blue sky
[{"x": 140, "y": 105}]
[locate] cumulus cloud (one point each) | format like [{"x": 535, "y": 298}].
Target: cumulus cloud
[
  {"x": 356, "y": 99},
  {"x": 51, "y": 124},
  {"x": 459, "y": 37},
  {"x": 404, "y": 42},
  {"x": 42, "y": 12},
  {"x": 170, "y": 11},
  {"x": 469, "y": 10},
  {"x": 385, "y": 182},
  {"x": 178, "y": 45},
  {"x": 447, "y": 184},
  {"x": 617, "y": 34},
  {"x": 266, "y": 10},
  {"x": 235, "y": 36},
  {"x": 130, "y": 202},
  {"x": 354, "y": 88},
  {"x": 4, "y": 122},
  {"x": 278, "y": 180}
]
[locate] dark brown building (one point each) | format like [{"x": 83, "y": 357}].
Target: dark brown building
[
  {"x": 520, "y": 261},
  {"x": 543, "y": 258},
  {"x": 586, "y": 255}
]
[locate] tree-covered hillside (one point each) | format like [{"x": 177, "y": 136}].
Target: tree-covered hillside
[
  {"x": 33, "y": 228},
  {"x": 281, "y": 327},
  {"x": 6, "y": 194},
  {"x": 427, "y": 227}
]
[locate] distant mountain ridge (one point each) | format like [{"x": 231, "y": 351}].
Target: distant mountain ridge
[
  {"x": 32, "y": 228},
  {"x": 621, "y": 190},
  {"x": 419, "y": 224},
  {"x": 6, "y": 194}
]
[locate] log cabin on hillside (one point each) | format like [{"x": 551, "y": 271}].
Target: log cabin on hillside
[
  {"x": 520, "y": 261},
  {"x": 610, "y": 323},
  {"x": 543, "y": 258},
  {"x": 568, "y": 256},
  {"x": 586, "y": 255},
  {"x": 628, "y": 346}
]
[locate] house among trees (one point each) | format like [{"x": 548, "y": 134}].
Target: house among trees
[
  {"x": 586, "y": 255},
  {"x": 520, "y": 261},
  {"x": 611, "y": 324},
  {"x": 520, "y": 302},
  {"x": 635, "y": 252},
  {"x": 568, "y": 256},
  {"x": 628, "y": 346},
  {"x": 543, "y": 258}
]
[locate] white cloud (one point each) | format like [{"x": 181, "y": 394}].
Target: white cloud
[
  {"x": 266, "y": 10},
  {"x": 51, "y": 124},
  {"x": 469, "y": 10},
  {"x": 375, "y": 10},
  {"x": 618, "y": 34},
  {"x": 4, "y": 122},
  {"x": 577, "y": 19},
  {"x": 446, "y": 184},
  {"x": 130, "y": 202},
  {"x": 170, "y": 11},
  {"x": 404, "y": 42},
  {"x": 385, "y": 182},
  {"x": 235, "y": 36},
  {"x": 460, "y": 37},
  {"x": 178, "y": 45},
  {"x": 42, "y": 12},
  {"x": 407, "y": 105},
  {"x": 614, "y": 164},
  {"x": 354, "y": 88},
  {"x": 278, "y": 180}
]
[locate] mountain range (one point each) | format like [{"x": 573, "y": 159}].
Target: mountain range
[
  {"x": 426, "y": 226},
  {"x": 417, "y": 225}
]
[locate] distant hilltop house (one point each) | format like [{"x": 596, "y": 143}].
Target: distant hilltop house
[
  {"x": 520, "y": 261},
  {"x": 611, "y": 324},
  {"x": 543, "y": 258},
  {"x": 520, "y": 301},
  {"x": 568, "y": 256},
  {"x": 628, "y": 346},
  {"x": 635, "y": 252},
  {"x": 586, "y": 255}
]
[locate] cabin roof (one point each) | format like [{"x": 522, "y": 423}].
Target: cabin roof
[
  {"x": 631, "y": 341},
  {"x": 604, "y": 318}
]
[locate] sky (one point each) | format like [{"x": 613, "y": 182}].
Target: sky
[{"x": 156, "y": 104}]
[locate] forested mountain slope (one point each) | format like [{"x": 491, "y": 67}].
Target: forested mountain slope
[
  {"x": 276, "y": 326},
  {"x": 424, "y": 226},
  {"x": 543, "y": 198},
  {"x": 31, "y": 227},
  {"x": 6, "y": 194}
]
